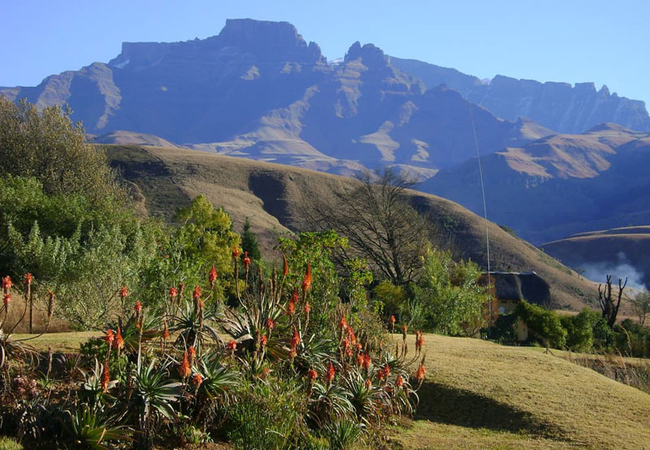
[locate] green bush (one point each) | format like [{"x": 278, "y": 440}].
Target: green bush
[
  {"x": 579, "y": 328},
  {"x": 449, "y": 295},
  {"x": 267, "y": 415},
  {"x": 544, "y": 325}
]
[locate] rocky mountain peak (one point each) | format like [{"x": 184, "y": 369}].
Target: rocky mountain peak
[
  {"x": 371, "y": 55},
  {"x": 264, "y": 37}
]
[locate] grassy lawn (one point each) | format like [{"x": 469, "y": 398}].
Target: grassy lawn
[
  {"x": 482, "y": 395},
  {"x": 60, "y": 342}
]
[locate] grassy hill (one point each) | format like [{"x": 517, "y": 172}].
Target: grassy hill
[
  {"x": 274, "y": 197},
  {"x": 607, "y": 251}
]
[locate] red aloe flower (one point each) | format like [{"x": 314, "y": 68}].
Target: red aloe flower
[
  {"x": 391, "y": 320},
  {"x": 343, "y": 323},
  {"x": 231, "y": 346},
  {"x": 184, "y": 369},
  {"x": 419, "y": 341},
  {"x": 351, "y": 336},
  {"x": 404, "y": 331},
  {"x": 246, "y": 261},
  {"x": 269, "y": 324},
  {"x": 285, "y": 269},
  {"x": 197, "y": 379},
  {"x": 197, "y": 293},
  {"x": 165, "y": 334},
  {"x": 173, "y": 292},
  {"x": 368, "y": 383},
  {"x": 265, "y": 373},
  {"x": 294, "y": 297},
  {"x": 366, "y": 361},
  {"x": 28, "y": 278},
  {"x": 191, "y": 354},
  {"x": 331, "y": 372},
  {"x": 6, "y": 300},
  {"x": 359, "y": 359},
  {"x": 118, "y": 341},
  {"x": 123, "y": 292},
  {"x": 291, "y": 308},
  {"x": 307, "y": 308},
  {"x": 399, "y": 381},
  {"x": 419, "y": 375},
  {"x": 264, "y": 340},
  {"x": 212, "y": 277},
  {"x": 6, "y": 284},
  {"x": 380, "y": 375},
  {"x": 386, "y": 371},
  {"x": 138, "y": 307},
  {"x": 295, "y": 339},
  {"x": 235, "y": 252},
  {"x": 106, "y": 377},
  {"x": 306, "y": 281},
  {"x": 312, "y": 375},
  {"x": 109, "y": 338}
]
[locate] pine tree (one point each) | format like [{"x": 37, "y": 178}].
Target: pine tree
[{"x": 249, "y": 242}]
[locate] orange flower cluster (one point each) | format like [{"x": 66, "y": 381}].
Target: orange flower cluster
[
  {"x": 184, "y": 369},
  {"x": 123, "y": 292},
  {"x": 399, "y": 381},
  {"x": 212, "y": 276},
  {"x": 173, "y": 292},
  {"x": 285, "y": 268},
  {"x": 231, "y": 346},
  {"x": 343, "y": 324},
  {"x": 165, "y": 333},
  {"x": 264, "y": 340},
  {"x": 106, "y": 377},
  {"x": 235, "y": 253},
  {"x": 246, "y": 262},
  {"x": 312, "y": 375},
  {"x": 330, "y": 374},
  {"x": 419, "y": 375},
  {"x": 118, "y": 340},
  {"x": 191, "y": 354},
  {"x": 306, "y": 281},
  {"x": 28, "y": 278},
  {"x": 109, "y": 338},
  {"x": 6, "y": 284},
  {"x": 197, "y": 379},
  {"x": 419, "y": 341},
  {"x": 138, "y": 308},
  {"x": 295, "y": 340},
  {"x": 269, "y": 324}
]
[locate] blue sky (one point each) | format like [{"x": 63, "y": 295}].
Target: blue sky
[{"x": 606, "y": 42}]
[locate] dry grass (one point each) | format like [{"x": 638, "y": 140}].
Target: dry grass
[
  {"x": 67, "y": 342},
  {"x": 483, "y": 395}
]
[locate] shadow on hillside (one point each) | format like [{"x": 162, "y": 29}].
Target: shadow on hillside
[{"x": 442, "y": 404}]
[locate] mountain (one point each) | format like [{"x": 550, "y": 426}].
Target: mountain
[
  {"x": 259, "y": 90},
  {"x": 558, "y": 185},
  {"x": 620, "y": 252},
  {"x": 558, "y": 106},
  {"x": 274, "y": 197}
]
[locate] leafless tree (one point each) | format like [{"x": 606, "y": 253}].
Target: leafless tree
[
  {"x": 608, "y": 305},
  {"x": 380, "y": 225},
  {"x": 641, "y": 306}
]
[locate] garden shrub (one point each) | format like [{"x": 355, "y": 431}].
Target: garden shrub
[{"x": 544, "y": 325}]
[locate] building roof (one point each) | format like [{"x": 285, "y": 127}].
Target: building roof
[{"x": 521, "y": 286}]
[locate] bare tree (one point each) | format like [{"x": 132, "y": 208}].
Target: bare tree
[
  {"x": 641, "y": 306},
  {"x": 380, "y": 224},
  {"x": 608, "y": 306}
]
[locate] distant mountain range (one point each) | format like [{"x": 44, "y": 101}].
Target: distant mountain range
[
  {"x": 559, "y": 185},
  {"x": 558, "y": 106},
  {"x": 258, "y": 90}
]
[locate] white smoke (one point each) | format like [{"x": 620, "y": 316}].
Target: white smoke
[{"x": 622, "y": 268}]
